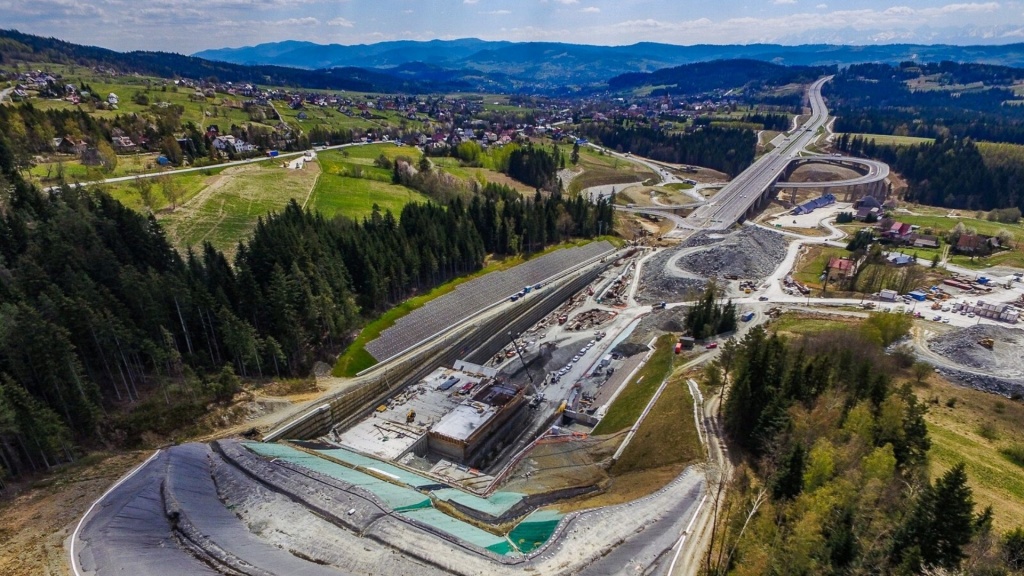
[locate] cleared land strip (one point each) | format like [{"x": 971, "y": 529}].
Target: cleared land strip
[{"x": 476, "y": 295}]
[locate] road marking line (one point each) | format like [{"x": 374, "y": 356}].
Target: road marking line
[
  {"x": 682, "y": 538},
  {"x": 74, "y": 535}
]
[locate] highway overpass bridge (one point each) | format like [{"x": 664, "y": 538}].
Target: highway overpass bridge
[
  {"x": 871, "y": 182},
  {"x": 753, "y": 188}
]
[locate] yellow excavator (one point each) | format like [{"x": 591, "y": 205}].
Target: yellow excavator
[{"x": 410, "y": 417}]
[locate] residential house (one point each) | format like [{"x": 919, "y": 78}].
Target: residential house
[
  {"x": 123, "y": 144},
  {"x": 225, "y": 143},
  {"x": 924, "y": 241},
  {"x": 970, "y": 243},
  {"x": 866, "y": 213},
  {"x": 899, "y": 232},
  {"x": 69, "y": 145},
  {"x": 900, "y": 259},
  {"x": 840, "y": 268}
]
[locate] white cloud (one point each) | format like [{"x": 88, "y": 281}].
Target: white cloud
[
  {"x": 821, "y": 6},
  {"x": 567, "y": 2},
  {"x": 344, "y": 23},
  {"x": 498, "y": 12},
  {"x": 781, "y": 2},
  {"x": 470, "y": 1},
  {"x": 591, "y": 10}
]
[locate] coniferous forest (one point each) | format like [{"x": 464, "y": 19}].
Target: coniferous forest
[
  {"x": 950, "y": 172},
  {"x": 98, "y": 310},
  {"x": 838, "y": 478},
  {"x": 724, "y": 149}
]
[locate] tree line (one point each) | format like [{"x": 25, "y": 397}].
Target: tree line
[
  {"x": 98, "y": 311},
  {"x": 950, "y": 172},
  {"x": 709, "y": 317},
  {"x": 836, "y": 478},
  {"x": 727, "y": 150}
]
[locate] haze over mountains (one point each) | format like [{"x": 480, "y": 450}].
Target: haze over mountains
[{"x": 587, "y": 64}]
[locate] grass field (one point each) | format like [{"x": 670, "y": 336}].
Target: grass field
[
  {"x": 634, "y": 398},
  {"x": 679, "y": 186},
  {"x": 190, "y": 184},
  {"x": 798, "y": 324},
  {"x": 973, "y": 431},
  {"x": 602, "y": 169},
  {"x": 355, "y": 197},
  {"x": 667, "y": 436},
  {"x": 226, "y": 209},
  {"x": 46, "y": 173},
  {"x": 662, "y": 447},
  {"x": 888, "y": 140},
  {"x": 942, "y": 224},
  {"x": 810, "y": 265}
]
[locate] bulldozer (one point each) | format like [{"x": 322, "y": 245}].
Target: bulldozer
[
  {"x": 987, "y": 342},
  {"x": 410, "y": 417}
]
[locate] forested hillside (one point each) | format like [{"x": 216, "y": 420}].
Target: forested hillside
[
  {"x": 98, "y": 313},
  {"x": 951, "y": 173},
  {"x": 928, "y": 100},
  {"x": 838, "y": 480},
  {"x": 753, "y": 75},
  {"x": 19, "y": 47},
  {"x": 724, "y": 149}
]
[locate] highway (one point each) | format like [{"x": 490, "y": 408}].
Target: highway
[
  {"x": 737, "y": 197},
  {"x": 733, "y": 201}
]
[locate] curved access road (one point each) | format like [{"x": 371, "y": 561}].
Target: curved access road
[{"x": 876, "y": 171}]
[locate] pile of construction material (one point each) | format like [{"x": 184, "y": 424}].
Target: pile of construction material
[
  {"x": 751, "y": 252},
  {"x": 983, "y": 356}
]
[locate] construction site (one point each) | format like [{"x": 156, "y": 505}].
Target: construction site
[{"x": 473, "y": 450}]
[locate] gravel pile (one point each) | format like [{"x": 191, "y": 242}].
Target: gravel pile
[
  {"x": 752, "y": 252},
  {"x": 1002, "y": 386},
  {"x": 657, "y": 286},
  {"x": 1004, "y": 360}
]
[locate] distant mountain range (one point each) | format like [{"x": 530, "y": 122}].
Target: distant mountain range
[
  {"x": 550, "y": 63},
  {"x": 471, "y": 65}
]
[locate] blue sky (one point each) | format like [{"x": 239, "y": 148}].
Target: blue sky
[{"x": 187, "y": 26}]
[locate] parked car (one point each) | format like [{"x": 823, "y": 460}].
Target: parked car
[{"x": 712, "y": 345}]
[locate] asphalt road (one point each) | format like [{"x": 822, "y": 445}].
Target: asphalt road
[
  {"x": 127, "y": 532},
  {"x": 211, "y": 167},
  {"x": 731, "y": 202}
]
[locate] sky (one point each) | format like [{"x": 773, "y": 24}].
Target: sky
[{"x": 187, "y": 26}]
